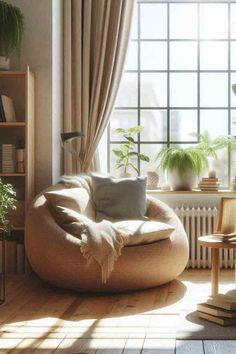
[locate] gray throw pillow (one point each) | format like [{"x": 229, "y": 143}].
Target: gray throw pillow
[{"x": 119, "y": 199}]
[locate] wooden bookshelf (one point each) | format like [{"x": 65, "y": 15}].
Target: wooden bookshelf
[{"x": 19, "y": 85}]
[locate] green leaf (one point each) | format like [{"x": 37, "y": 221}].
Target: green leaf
[
  {"x": 118, "y": 152},
  {"x": 118, "y": 131},
  {"x": 143, "y": 157},
  {"x": 129, "y": 138},
  {"x": 135, "y": 130}
]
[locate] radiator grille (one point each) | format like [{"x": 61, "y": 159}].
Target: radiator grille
[{"x": 199, "y": 221}]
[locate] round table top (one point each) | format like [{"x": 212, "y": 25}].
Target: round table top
[{"x": 212, "y": 242}]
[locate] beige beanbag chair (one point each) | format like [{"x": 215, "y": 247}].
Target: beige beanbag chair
[{"x": 56, "y": 257}]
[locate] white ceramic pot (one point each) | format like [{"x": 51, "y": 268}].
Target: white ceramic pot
[
  {"x": 152, "y": 180},
  {"x": 125, "y": 175},
  {"x": 4, "y": 63},
  {"x": 186, "y": 182}
]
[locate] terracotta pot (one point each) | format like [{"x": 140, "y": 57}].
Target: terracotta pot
[
  {"x": 4, "y": 63},
  {"x": 186, "y": 182}
]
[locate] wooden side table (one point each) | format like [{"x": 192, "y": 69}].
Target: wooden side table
[
  {"x": 215, "y": 245},
  {"x": 2, "y": 272}
]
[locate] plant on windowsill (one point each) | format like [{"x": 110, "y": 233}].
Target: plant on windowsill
[
  {"x": 7, "y": 203},
  {"x": 11, "y": 31},
  {"x": 184, "y": 165},
  {"x": 125, "y": 152}
]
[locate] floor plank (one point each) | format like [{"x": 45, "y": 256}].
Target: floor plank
[
  {"x": 133, "y": 346},
  {"x": 189, "y": 347},
  {"x": 219, "y": 346},
  {"x": 159, "y": 346},
  {"x": 38, "y": 318}
]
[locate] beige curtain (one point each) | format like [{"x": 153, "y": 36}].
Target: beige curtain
[{"x": 96, "y": 34}]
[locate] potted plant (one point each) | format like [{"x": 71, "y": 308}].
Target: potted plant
[
  {"x": 125, "y": 152},
  {"x": 184, "y": 165},
  {"x": 11, "y": 30},
  {"x": 7, "y": 203}
]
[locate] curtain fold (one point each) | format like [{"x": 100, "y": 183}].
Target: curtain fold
[{"x": 96, "y": 34}]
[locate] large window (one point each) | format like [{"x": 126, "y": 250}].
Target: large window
[{"x": 180, "y": 65}]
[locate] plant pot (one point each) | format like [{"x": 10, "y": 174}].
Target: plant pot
[
  {"x": 186, "y": 182},
  {"x": 4, "y": 63},
  {"x": 152, "y": 180},
  {"x": 125, "y": 175}
]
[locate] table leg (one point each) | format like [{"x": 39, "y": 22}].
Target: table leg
[{"x": 215, "y": 267}]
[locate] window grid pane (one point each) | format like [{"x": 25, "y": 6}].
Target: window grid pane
[{"x": 163, "y": 84}]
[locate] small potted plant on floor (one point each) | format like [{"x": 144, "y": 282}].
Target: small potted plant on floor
[
  {"x": 11, "y": 30},
  {"x": 184, "y": 165},
  {"x": 7, "y": 203},
  {"x": 125, "y": 152}
]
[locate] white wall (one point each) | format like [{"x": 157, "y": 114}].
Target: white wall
[{"x": 42, "y": 51}]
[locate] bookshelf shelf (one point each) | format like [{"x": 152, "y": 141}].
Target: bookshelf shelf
[
  {"x": 12, "y": 124},
  {"x": 18, "y": 228},
  {"x": 13, "y": 74},
  {"x": 12, "y": 174}
]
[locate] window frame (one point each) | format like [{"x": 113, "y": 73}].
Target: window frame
[{"x": 168, "y": 142}]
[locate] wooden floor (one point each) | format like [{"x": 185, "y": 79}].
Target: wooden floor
[{"x": 37, "y": 318}]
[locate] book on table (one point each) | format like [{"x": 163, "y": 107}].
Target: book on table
[
  {"x": 222, "y": 301},
  {"x": 224, "y": 237}
]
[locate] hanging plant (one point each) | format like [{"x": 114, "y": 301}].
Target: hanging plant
[{"x": 11, "y": 29}]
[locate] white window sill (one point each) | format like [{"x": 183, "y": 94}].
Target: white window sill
[{"x": 194, "y": 191}]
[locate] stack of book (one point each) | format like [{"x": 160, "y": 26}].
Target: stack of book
[
  {"x": 7, "y": 111},
  {"x": 220, "y": 309},
  {"x": 224, "y": 237},
  {"x": 209, "y": 184},
  {"x": 8, "y": 158}
]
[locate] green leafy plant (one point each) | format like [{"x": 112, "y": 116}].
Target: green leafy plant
[
  {"x": 7, "y": 203},
  {"x": 11, "y": 28},
  {"x": 210, "y": 146},
  {"x": 125, "y": 152},
  {"x": 182, "y": 160}
]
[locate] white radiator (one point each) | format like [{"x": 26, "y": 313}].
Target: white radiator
[{"x": 198, "y": 222}]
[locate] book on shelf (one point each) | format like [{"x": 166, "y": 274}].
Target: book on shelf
[
  {"x": 209, "y": 179},
  {"x": 7, "y": 110},
  {"x": 223, "y": 321},
  {"x": 2, "y": 114},
  {"x": 222, "y": 301},
  {"x": 216, "y": 311},
  {"x": 8, "y": 158}
]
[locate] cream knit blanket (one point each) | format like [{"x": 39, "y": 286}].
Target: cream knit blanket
[{"x": 102, "y": 242}]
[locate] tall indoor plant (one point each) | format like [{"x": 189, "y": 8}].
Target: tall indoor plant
[
  {"x": 184, "y": 165},
  {"x": 7, "y": 203},
  {"x": 11, "y": 31},
  {"x": 125, "y": 152}
]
